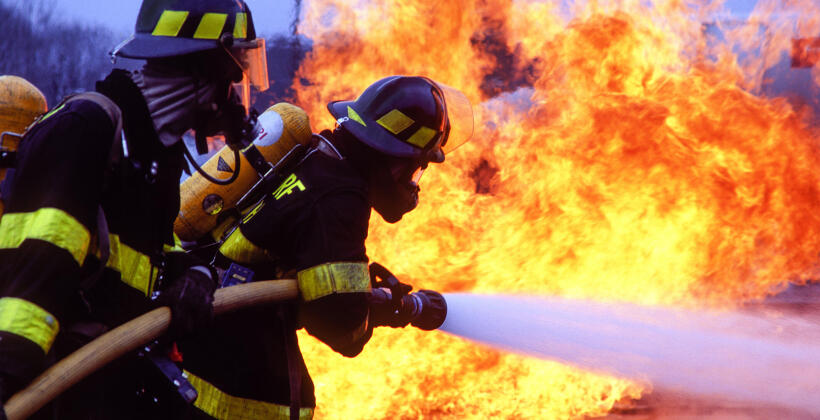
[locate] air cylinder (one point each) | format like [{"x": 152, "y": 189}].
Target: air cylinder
[
  {"x": 20, "y": 104},
  {"x": 278, "y": 130}
]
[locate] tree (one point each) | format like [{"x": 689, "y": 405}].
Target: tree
[{"x": 58, "y": 57}]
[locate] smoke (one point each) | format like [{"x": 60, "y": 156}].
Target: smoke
[
  {"x": 297, "y": 13},
  {"x": 739, "y": 356}
]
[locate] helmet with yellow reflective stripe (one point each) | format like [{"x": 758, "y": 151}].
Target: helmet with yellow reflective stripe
[
  {"x": 408, "y": 117},
  {"x": 167, "y": 28},
  {"x": 170, "y": 28}
]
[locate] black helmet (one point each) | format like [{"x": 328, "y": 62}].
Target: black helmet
[
  {"x": 172, "y": 28},
  {"x": 167, "y": 28},
  {"x": 408, "y": 117}
]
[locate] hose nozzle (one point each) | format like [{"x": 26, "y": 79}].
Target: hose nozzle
[
  {"x": 425, "y": 309},
  {"x": 430, "y": 309}
]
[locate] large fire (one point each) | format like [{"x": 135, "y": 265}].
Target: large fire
[{"x": 618, "y": 154}]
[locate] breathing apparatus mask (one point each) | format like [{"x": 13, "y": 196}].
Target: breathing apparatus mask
[
  {"x": 395, "y": 187},
  {"x": 236, "y": 66}
]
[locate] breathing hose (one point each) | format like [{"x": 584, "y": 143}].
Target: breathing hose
[{"x": 211, "y": 178}]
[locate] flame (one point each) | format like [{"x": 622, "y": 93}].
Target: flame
[{"x": 620, "y": 154}]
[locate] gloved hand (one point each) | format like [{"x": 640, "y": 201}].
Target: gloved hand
[
  {"x": 392, "y": 304},
  {"x": 397, "y": 289},
  {"x": 383, "y": 313},
  {"x": 190, "y": 295},
  {"x": 386, "y": 305},
  {"x": 21, "y": 361},
  {"x": 6, "y": 391}
]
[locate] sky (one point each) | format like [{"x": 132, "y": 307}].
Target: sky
[{"x": 269, "y": 16}]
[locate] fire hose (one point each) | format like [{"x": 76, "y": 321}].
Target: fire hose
[
  {"x": 424, "y": 309},
  {"x": 128, "y": 337}
]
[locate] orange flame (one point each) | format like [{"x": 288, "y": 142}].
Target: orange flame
[{"x": 619, "y": 156}]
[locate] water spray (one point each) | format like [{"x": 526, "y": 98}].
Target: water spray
[{"x": 739, "y": 356}]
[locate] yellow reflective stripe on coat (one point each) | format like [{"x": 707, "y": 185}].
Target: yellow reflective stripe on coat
[
  {"x": 176, "y": 247},
  {"x": 338, "y": 277},
  {"x": 240, "y": 249},
  {"x": 47, "y": 224},
  {"x": 50, "y": 113},
  {"x": 169, "y": 23},
  {"x": 220, "y": 405},
  {"x": 135, "y": 268},
  {"x": 21, "y": 317}
]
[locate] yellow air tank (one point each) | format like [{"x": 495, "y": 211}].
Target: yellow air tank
[
  {"x": 20, "y": 104},
  {"x": 278, "y": 130}
]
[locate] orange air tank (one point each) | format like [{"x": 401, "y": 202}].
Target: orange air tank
[
  {"x": 20, "y": 104},
  {"x": 278, "y": 130}
]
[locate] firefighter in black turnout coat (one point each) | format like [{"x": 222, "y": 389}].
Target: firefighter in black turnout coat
[
  {"x": 87, "y": 235},
  {"x": 313, "y": 227}
]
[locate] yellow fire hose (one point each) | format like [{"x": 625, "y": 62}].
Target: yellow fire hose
[{"x": 129, "y": 336}]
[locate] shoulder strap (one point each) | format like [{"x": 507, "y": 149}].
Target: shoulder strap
[
  {"x": 115, "y": 114},
  {"x": 104, "y": 246}
]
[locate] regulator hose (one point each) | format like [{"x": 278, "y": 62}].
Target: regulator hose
[{"x": 211, "y": 179}]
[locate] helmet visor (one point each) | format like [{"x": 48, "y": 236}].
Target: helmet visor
[
  {"x": 459, "y": 117},
  {"x": 243, "y": 92},
  {"x": 251, "y": 57}
]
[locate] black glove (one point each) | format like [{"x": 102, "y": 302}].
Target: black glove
[
  {"x": 7, "y": 389},
  {"x": 4, "y": 391},
  {"x": 190, "y": 296},
  {"x": 398, "y": 289},
  {"x": 392, "y": 304},
  {"x": 21, "y": 361},
  {"x": 386, "y": 305},
  {"x": 383, "y": 313}
]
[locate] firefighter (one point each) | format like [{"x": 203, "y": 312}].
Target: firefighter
[
  {"x": 313, "y": 228},
  {"x": 87, "y": 235}
]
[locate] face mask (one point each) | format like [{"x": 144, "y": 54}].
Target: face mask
[
  {"x": 395, "y": 189},
  {"x": 226, "y": 116},
  {"x": 174, "y": 100}
]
